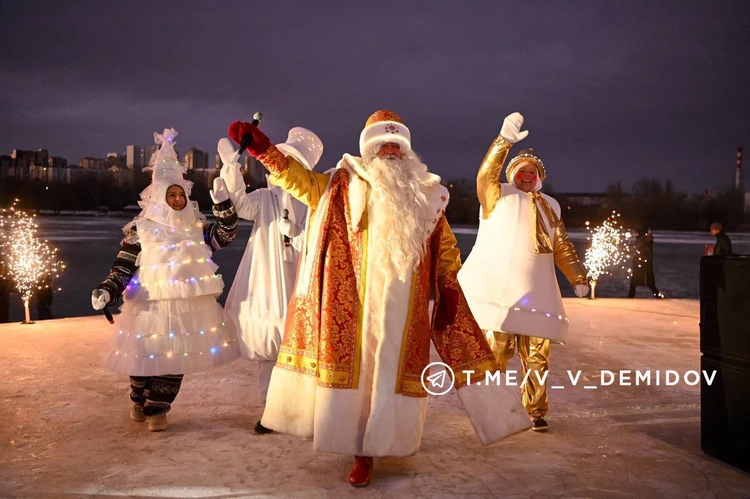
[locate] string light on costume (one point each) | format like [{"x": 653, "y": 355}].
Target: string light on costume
[
  {"x": 30, "y": 263},
  {"x": 213, "y": 351},
  {"x": 169, "y": 334},
  {"x": 183, "y": 262},
  {"x": 535, "y": 311},
  {"x": 171, "y": 280},
  {"x": 609, "y": 248},
  {"x": 197, "y": 225},
  {"x": 176, "y": 245}
]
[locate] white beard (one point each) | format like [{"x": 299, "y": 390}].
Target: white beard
[{"x": 400, "y": 204}]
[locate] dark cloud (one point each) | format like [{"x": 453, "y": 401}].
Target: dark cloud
[{"x": 610, "y": 90}]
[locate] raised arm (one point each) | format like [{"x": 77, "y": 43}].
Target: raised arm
[
  {"x": 247, "y": 205},
  {"x": 306, "y": 185},
  {"x": 488, "y": 178},
  {"x": 219, "y": 234}
]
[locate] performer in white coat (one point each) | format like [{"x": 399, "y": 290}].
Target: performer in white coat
[
  {"x": 257, "y": 302},
  {"x": 509, "y": 276}
]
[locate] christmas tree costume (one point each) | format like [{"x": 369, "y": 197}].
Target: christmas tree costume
[{"x": 170, "y": 323}]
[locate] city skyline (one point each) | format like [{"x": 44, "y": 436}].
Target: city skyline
[{"x": 609, "y": 91}]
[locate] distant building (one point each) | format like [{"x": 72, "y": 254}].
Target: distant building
[
  {"x": 27, "y": 158},
  {"x": 203, "y": 176},
  {"x": 137, "y": 157},
  {"x": 121, "y": 174},
  {"x": 13, "y": 167},
  {"x": 35, "y": 165},
  {"x": 195, "y": 159},
  {"x": 57, "y": 162},
  {"x": 98, "y": 164}
]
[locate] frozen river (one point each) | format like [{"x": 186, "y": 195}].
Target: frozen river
[{"x": 89, "y": 245}]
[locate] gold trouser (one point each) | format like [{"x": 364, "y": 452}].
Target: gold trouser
[{"x": 534, "y": 355}]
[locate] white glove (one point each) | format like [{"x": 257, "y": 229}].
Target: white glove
[
  {"x": 511, "y": 130},
  {"x": 288, "y": 229},
  {"x": 230, "y": 169},
  {"x": 99, "y": 298},
  {"x": 228, "y": 154},
  {"x": 219, "y": 193},
  {"x": 581, "y": 290}
]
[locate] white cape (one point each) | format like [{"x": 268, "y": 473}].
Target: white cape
[
  {"x": 508, "y": 286},
  {"x": 257, "y": 302}
]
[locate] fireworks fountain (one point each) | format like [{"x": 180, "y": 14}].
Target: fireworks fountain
[
  {"x": 610, "y": 247},
  {"x": 31, "y": 263}
]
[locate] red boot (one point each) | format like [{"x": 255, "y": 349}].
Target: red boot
[{"x": 361, "y": 471}]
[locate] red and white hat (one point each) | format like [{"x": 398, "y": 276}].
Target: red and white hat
[{"x": 381, "y": 127}]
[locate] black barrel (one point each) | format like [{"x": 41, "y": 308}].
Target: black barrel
[{"x": 725, "y": 348}]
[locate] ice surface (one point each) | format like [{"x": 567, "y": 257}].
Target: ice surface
[
  {"x": 89, "y": 245},
  {"x": 66, "y": 433}
]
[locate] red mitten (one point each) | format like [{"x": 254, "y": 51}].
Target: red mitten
[{"x": 260, "y": 142}]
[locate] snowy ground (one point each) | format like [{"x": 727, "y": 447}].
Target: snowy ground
[{"x": 66, "y": 431}]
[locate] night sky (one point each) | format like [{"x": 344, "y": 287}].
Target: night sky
[{"x": 610, "y": 90}]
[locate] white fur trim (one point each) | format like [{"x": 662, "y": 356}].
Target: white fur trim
[
  {"x": 370, "y": 420},
  {"x": 290, "y": 405},
  {"x": 313, "y": 224},
  {"x": 358, "y": 188},
  {"x": 437, "y": 197},
  {"x": 382, "y": 132}
]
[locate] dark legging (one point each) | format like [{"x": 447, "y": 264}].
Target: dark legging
[
  {"x": 155, "y": 393},
  {"x": 651, "y": 286}
]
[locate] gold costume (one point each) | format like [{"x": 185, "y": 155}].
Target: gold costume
[{"x": 533, "y": 351}]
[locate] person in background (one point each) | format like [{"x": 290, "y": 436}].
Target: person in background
[
  {"x": 642, "y": 273},
  {"x": 723, "y": 246},
  {"x": 43, "y": 297},
  {"x": 6, "y": 286}
]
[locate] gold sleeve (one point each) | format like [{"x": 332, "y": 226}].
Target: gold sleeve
[
  {"x": 450, "y": 255},
  {"x": 566, "y": 257},
  {"x": 488, "y": 178},
  {"x": 306, "y": 185}
]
